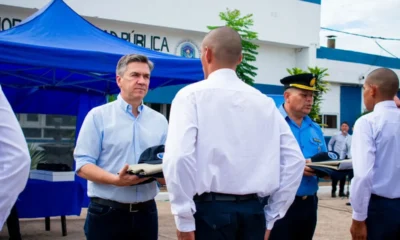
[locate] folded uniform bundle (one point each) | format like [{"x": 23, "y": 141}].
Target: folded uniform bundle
[
  {"x": 328, "y": 164},
  {"x": 150, "y": 164},
  {"x": 146, "y": 170}
]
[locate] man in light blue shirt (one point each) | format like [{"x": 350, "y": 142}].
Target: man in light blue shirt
[
  {"x": 301, "y": 218},
  {"x": 337, "y": 143},
  {"x": 112, "y": 137}
]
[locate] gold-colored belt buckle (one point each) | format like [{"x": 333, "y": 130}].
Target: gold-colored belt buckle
[{"x": 304, "y": 197}]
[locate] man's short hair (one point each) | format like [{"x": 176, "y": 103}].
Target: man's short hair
[
  {"x": 130, "y": 58},
  {"x": 225, "y": 43},
  {"x": 386, "y": 80}
]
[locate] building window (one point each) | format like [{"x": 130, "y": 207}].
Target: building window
[
  {"x": 32, "y": 132},
  {"x": 164, "y": 109},
  {"x": 47, "y": 127},
  {"x": 32, "y": 117},
  {"x": 328, "y": 121},
  {"x": 60, "y": 120},
  {"x": 156, "y": 107},
  {"x": 168, "y": 111}
]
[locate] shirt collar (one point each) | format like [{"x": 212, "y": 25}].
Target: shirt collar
[
  {"x": 126, "y": 106},
  {"x": 385, "y": 104},
  {"x": 285, "y": 115},
  {"x": 223, "y": 73}
]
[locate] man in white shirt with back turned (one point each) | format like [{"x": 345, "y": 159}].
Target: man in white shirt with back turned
[
  {"x": 15, "y": 161},
  {"x": 375, "y": 188},
  {"x": 227, "y": 146}
]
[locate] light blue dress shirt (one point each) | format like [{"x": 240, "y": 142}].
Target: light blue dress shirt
[
  {"x": 338, "y": 143},
  {"x": 311, "y": 141},
  {"x": 112, "y": 136}
]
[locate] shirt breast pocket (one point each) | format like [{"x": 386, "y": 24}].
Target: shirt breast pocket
[{"x": 316, "y": 145}]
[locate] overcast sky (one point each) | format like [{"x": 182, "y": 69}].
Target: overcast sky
[{"x": 369, "y": 17}]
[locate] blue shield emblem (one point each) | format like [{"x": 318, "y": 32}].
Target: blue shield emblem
[
  {"x": 332, "y": 156},
  {"x": 160, "y": 155}
]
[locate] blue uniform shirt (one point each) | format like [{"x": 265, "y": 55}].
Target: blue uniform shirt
[{"x": 311, "y": 141}]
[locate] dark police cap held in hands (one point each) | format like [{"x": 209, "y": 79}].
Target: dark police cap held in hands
[
  {"x": 152, "y": 155},
  {"x": 305, "y": 81},
  {"x": 325, "y": 156}
]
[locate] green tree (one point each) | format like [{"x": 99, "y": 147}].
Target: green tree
[
  {"x": 320, "y": 84},
  {"x": 232, "y": 18},
  {"x": 111, "y": 98}
]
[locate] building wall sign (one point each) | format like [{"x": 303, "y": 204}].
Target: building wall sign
[
  {"x": 7, "y": 23},
  {"x": 156, "y": 43}
]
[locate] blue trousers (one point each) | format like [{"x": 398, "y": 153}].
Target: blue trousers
[
  {"x": 299, "y": 222},
  {"x": 107, "y": 223},
  {"x": 383, "y": 220},
  {"x": 228, "y": 220}
]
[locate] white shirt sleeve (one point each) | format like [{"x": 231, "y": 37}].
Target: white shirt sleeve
[
  {"x": 363, "y": 157},
  {"x": 14, "y": 159},
  {"x": 291, "y": 172},
  {"x": 179, "y": 162}
]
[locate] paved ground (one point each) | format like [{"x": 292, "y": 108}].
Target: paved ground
[{"x": 334, "y": 219}]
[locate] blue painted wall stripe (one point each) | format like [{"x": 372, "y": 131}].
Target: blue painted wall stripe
[
  {"x": 357, "y": 57},
  {"x": 312, "y": 1},
  {"x": 350, "y": 104}
]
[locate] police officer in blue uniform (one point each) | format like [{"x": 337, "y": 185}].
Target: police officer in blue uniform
[{"x": 300, "y": 221}]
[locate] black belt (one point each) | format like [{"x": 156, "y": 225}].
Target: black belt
[
  {"x": 207, "y": 197},
  {"x": 130, "y": 207}
]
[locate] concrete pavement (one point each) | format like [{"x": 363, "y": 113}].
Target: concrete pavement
[{"x": 334, "y": 219}]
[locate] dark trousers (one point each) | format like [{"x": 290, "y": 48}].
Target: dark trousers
[
  {"x": 230, "y": 220},
  {"x": 299, "y": 222},
  {"x": 383, "y": 220},
  {"x": 13, "y": 224},
  {"x": 342, "y": 182},
  {"x": 108, "y": 223}
]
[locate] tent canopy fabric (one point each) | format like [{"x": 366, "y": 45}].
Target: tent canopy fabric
[
  {"x": 57, "y": 48},
  {"x": 56, "y": 62}
]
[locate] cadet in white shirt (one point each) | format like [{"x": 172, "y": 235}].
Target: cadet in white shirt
[
  {"x": 375, "y": 188},
  {"x": 227, "y": 146},
  {"x": 15, "y": 161}
]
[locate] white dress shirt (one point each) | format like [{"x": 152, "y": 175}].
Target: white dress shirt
[
  {"x": 14, "y": 159},
  {"x": 375, "y": 154},
  {"x": 227, "y": 137}
]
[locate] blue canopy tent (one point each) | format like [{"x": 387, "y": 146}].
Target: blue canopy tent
[{"x": 56, "y": 62}]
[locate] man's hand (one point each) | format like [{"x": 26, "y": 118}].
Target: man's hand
[
  {"x": 358, "y": 230},
  {"x": 308, "y": 171},
  {"x": 397, "y": 101},
  {"x": 185, "y": 235},
  {"x": 161, "y": 181},
  {"x": 267, "y": 233},
  {"x": 125, "y": 179}
]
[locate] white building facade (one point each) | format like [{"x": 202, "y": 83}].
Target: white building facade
[{"x": 288, "y": 37}]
